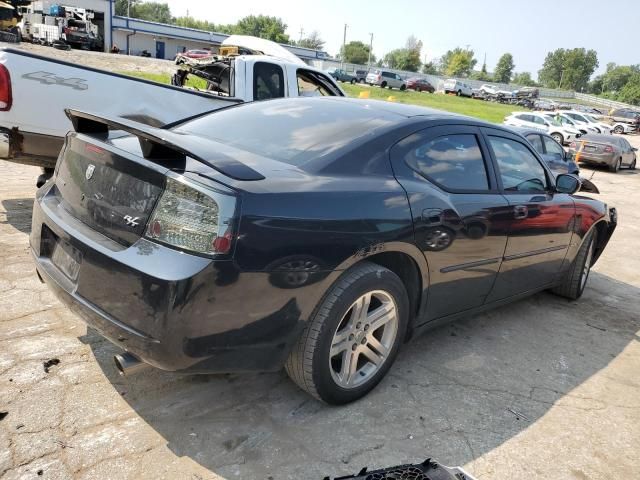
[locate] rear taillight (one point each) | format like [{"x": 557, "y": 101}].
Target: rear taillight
[
  {"x": 6, "y": 96},
  {"x": 608, "y": 149},
  {"x": 190, "y": 219}
]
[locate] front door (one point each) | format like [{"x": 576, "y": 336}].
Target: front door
[
  {"x": 458, "y": 213},
  {"x": 540, "y": 222},
  {"x": 160, "y": 50}
]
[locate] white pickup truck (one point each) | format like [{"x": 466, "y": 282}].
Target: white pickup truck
[{"x": 35, "y": 91}]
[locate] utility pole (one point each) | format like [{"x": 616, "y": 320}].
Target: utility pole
[
  {"x": 128, "y": 8},
  {"x": 561, "y": 77},
  {"x": 370, "y": 48},
  {"x": 344, "y": 43},
  {"x": 301, "y": 33}
]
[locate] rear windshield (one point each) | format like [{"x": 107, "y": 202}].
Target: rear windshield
[{"x": 290, "y": 131}]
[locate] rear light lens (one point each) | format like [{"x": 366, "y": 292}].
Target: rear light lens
[
  {"x": 190, "y": 219},
  {"x": 608, "y": 149},
  {"x": 6, "y": 95}
]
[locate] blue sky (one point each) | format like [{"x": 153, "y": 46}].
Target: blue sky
[{"x": 527, "y": 29}]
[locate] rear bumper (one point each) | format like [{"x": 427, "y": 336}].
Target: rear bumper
[
  {"x": 29, "y": 148},
  {"x": 608, "y": 159},
  {"x": 172, "y": 310}
]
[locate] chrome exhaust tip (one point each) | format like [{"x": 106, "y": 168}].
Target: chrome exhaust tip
[{"x": 128, "y": 364}]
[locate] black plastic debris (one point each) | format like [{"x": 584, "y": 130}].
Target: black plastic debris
[
  {"x": 3, "y": 415},
  {"x": 50, "y": 363},
  {"x": 427, "y": 470}
]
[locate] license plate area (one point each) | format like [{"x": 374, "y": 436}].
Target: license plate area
[
  {"x": 63, "y": 255},
  {"x": 589, "y": 148}
]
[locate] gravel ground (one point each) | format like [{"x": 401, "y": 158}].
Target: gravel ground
[{"x": 543, "y": 388}]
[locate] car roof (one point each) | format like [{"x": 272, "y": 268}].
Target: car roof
[{"x": 524, "y": 131}]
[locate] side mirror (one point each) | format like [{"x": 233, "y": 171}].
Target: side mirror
[
  {"x": 566, "y": 183},
  {"x": 588, "y": 186},
  {"x": 634, "y": 149}
]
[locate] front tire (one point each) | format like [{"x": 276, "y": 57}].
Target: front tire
[
  {"x": 403, "y": 88},
  {"x": 558, "y": 138},
  {"x": 619, "y": 129},
  {"x": 353, "y": 337},
  {"x": 575, "y": 280},
  {"x": 459, "y": 93},
  {"x": 353, "y": 81},
  {"x": 383, "y": 85},
  {"x": 632, "y": 166}
]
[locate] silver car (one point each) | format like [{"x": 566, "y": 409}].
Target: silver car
[
  {"x": 384, "y": 78},
  {"x": 608, "y": 150}
]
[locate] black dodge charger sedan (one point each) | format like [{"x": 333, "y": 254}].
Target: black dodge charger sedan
[{"x": 318, "y": 234}]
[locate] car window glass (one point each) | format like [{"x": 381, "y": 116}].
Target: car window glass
[
  {"x": 452, "y": 161},
  {"x": 536, "y": 142},
  {"x": 553, "y": 148},
  {"x": 268, "y": 81},
  {"x": 519, "y": 169},
  {"x": 312, "y": 84},
  {"x": 538, "y": 120}
]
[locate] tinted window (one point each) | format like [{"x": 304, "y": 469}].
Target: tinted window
[
  {"x": 526, "y": 118},
  {"x": 292, "y": 130},
  {"x": 536, "y": 142},
  {"x": 387, "y": 74},
  {"x": 553, "y": 148},
  {"x": 519, "y": 169},
  {"x": 454, "y": 161},
  {"x": 268, "y": 81}
]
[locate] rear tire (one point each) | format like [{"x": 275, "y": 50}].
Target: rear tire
[
  {"x": 616, "y": 167},
  {"x": 632, "y": 166},
  {"x": 575, "y": 279},
  {"x": 459, "y": 93},
  {"x": 336, "y": 333},
  {"x": 403, "y": 87},
  {"x": 383, "y": 85},
  {"x": 362, "y": 80},
  {"x": 353, "y": 81}
]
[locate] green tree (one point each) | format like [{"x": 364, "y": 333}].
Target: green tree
[
  {"x": 151, "y": 11},
  {"x": 504, "y": 69},
  {"x": 524, "y": 79},
  {"x": 458, "y": 62},
  {"x": 430, "y": 68},
  {"x": 482, "y": 75},
  {"x": 312, "y": 41},
  {"x": 121, "y": 7},
  {"x": 356, "y": 52},
  {"x": 569, "y": 69},
  {"x": 263, "y": 26},
  {"x": 630, "y": 93}
]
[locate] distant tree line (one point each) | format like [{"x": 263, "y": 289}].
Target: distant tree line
[{"x": 568, "y": 69}]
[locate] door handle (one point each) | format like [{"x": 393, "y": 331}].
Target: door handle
[
  {"x": 432, "y": 216},
  {"x": 520, "y": 212}
]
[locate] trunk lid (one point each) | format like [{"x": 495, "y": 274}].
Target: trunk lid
[{"x": 107, "y": 192}]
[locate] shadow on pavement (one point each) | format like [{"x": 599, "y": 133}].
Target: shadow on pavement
[
  {"x": 18, "y": 212},
  {"x": 454, "y": 394}
]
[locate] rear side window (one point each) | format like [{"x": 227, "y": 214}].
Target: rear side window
[
  {"x": 520, "y": 170},
  {"x": 387, "y": 74},
  {"x": 553, "y": 148},
  {"x": 453, "y": 162},
  {"x": 538, "y": 120},
  {"x": 268, "y": 81},
  {"x": 536, "y": 141}
]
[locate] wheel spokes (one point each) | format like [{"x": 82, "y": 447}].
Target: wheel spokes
[
  {"x": 381, "y": 315},
  {"x": 349, "y": 365}
]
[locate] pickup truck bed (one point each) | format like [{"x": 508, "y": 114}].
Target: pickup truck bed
[{"x": 32, "y": 130}]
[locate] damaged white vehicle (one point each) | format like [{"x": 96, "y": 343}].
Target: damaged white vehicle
[{"x": 35, "y": 91}]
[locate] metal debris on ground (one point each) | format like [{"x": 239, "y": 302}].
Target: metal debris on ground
[
  {"x": 50, "y": 363},
  {"x": 427, "y": 470},
  {"x": 518, "y": 414}
]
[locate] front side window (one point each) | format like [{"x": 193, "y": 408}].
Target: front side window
[
  {"x": 268, "y": 81},
  {"x": 519, "y": 169},
  {"x": 313, "y": 84},
  {"x": 454, "y": 162}
]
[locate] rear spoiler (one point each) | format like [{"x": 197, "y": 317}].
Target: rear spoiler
[{"x": 160, "y": 144}]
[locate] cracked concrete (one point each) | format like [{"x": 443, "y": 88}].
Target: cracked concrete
[{"x": 543, "y": 388}]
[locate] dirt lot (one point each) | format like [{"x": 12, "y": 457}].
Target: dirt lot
[{"x": 543, "y": 388}]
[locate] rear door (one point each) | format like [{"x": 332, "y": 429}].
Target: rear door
[
  {"x": 458, "y": 212},
  {"x": 540, "y": 221}
]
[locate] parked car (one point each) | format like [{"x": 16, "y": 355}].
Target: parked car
[
  {"x": 338, "y": 254},
  {"x": 384, "y": 78},
  {"x": 527, "y": 92},
  {"x": 458, "y": 87},
  {"x": 558, "y": 160},
  {"x": 542, "y": 104},
  {"x": 606, "y": 150},
  {"x": 567, "y": 121},
  {"x": 420, "y": 85},
  {"x": 342, "y": 75},
  {"x": 361, "y": 76},
  {"x": 624, "y": 115},
  {"x": 488, "y": 89},
  {"x": 192, "y": 54},
  {"x": 587, "y": 121},
  {"x": 561, "y": 133}
]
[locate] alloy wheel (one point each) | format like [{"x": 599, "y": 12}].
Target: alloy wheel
[{"x": 363, "y": 339}]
